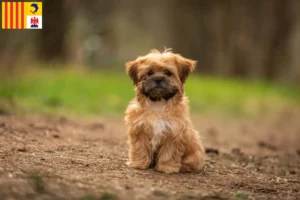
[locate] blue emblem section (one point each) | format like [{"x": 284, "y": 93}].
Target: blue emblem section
[{"x": 35, "y": 6}]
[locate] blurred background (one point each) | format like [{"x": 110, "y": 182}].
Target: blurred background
[
  {"x": 247, "y": 52},
  {"x": 64, "y": 90}
]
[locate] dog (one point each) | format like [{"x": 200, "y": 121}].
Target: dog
[{"x": 160, "y": 131}]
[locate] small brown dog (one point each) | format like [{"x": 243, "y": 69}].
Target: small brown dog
[{"x": 160, "y": 131}]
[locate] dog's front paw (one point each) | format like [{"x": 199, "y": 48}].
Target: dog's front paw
[
  {"x": 169, "y": 169},
  {"x": 138, "y": 165}
]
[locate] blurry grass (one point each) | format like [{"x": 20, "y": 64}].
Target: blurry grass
[
  {"x": 105, "y": 196},
  {"x": 37, "y": 182},
  {"x": 240, "y": 195},
  {"x": 78, "y": 92}
]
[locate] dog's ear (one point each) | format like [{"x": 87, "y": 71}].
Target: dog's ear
[
  {"x": 185, "y": 66},
  {"x": 132, "y": 69}
]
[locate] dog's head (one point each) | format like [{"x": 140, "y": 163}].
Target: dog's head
[{"x": 159, "y": 75}]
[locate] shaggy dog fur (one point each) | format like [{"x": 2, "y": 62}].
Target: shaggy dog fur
[{"x": 160, "y": 131}]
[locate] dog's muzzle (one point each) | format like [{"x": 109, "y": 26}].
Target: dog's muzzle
[{"x": 158, "y": 88}]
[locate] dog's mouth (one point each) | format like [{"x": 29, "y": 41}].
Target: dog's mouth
[
  {"x": 158, "y": 92},
  {"x": 158, "y": 86}
]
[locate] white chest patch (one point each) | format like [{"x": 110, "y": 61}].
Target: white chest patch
[
  {"x": 159, "y": 127},
  {"x": 154, "y": 118}
]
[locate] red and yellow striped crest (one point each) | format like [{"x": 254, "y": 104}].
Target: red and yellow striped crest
[{"x": 22, "y": 15}]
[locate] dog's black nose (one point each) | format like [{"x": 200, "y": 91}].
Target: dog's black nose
[{"x": 158, "y": 79}]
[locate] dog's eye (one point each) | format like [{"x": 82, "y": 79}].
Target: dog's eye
[
  {"x": 168, "y": 73},
  {"x": 150, "y": 73}
]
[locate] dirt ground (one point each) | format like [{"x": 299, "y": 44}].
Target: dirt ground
[{"x": 54, "y": 157}]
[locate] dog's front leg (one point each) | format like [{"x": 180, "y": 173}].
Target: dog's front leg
[
  {"x": 139, "y": 150},
  {"x": 169, "y": 157}
]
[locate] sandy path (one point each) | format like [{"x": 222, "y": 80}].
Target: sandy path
[{"x": 48, "y": 157}]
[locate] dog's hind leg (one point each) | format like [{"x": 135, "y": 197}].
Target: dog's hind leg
[{"x": 193, "y": 159}]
